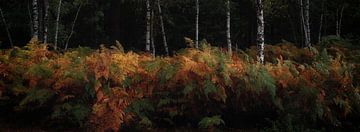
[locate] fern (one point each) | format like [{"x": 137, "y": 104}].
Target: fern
[
  {"x": 188, "y": 88},
  {"x": 163, "y": 102},
  {"x": 209, "y": 87},
  {"x": 40, "y": 70},
  {"x": 73, "y": 113},
  {"x": 213, "y": 121},
  {"x": 36, "y": 97},
  {"x": 166, "y": 72},
  {"x": 323, "y": 62},
  {"x": 145, "y": 122},
  {"x": 260, "y": 79},
  {"x": 141, "y": 108}
]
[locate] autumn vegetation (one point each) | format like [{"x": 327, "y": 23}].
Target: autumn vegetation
[{"x": 297, "y": 89}]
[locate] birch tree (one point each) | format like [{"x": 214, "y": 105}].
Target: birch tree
[
  {"x": 163, "y": 28},
  {"x": 57, "y": 25},
  {"x": 197, "y": 24},
  {"x": 260, "y": 38},
  {"x": 307, "y": 22},
  {"x": 6, "y": 27},
  {"x": 46, "y": 20},
  {"x": 148, "y": 25},
  {"x": 152, "y": 33},
  {"x": 228, "y": 26},
  {"x": 339, "y": 16},
  {"x": 35, "y": 19},
  {"x": 305, "y": 18}
]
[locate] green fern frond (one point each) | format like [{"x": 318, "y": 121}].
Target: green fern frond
[
  {"x": 36, "y": 97},
  {"x": 207, "y": 122},
  {"x": 209, "y": 87}
]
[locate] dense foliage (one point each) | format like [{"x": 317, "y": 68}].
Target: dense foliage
[{"x": 108, "y": 89}]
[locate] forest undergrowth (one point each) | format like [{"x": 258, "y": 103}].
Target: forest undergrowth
[{"x": 297, "y": 89}]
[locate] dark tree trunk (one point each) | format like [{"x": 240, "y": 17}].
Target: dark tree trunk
[{"x": 6, "y": 28}]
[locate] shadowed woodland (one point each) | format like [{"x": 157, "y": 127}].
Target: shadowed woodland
[{"x": 179, "y": 65}]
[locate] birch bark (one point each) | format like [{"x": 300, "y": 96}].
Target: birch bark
[
  {"x": 148, "y": 26},
  {"x": 35, "y": 19},
  {"x": 228, "y": 26},
  {"x": 57, "y": 25},
  {"x": 260, "y": 30},
  {"x": 46, "y": 20}
]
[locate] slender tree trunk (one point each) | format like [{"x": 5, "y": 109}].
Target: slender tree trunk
[
  {"x": 197, "y": 25},
  {"x": 260, "y": 30},
  {"x": 41, "y": 20},
  {"x": 6, "y": 28},
  {"x": 35, "y": 19},
  {"x": 72, "y": 27},
  {"x": 163, "y": 28},
  {"x": 148, "y": 25},
  {"x": 304, "y": 9},
  {"x": 321, "y": 21},
  {"x": 302, "y": 21},
  {"x": 228, "y": 26},
  {"x": 320, "y": 27},
  {"x": 31, "y": 25},
  {"x": 325, "y": 26},
  {"x": 307, "y": 22},
  {"x": 57, "y": 25},
  {"x": 236, "y": 47},
  {"x": 152, "y": 33},
  {"x": 46, "y": 20},
  {"x": 339, "y": 22}
]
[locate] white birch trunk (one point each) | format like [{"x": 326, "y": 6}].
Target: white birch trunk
[
  {"x": 46, "y": 21},
  {"x": 163, "y": 28},
  {"x": 57, "y": 25},
  {"x": 35, "y": 19},
  {"x": 260, "y": 30},
  {"x": 72, "y": 27},
  {"x": 148, "y": 26},
  {"x": 197, "y": 25},
  {"x": 6, "y": 28},
  {"x": 228, "y": 26}
]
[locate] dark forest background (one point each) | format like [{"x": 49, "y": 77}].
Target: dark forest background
[{"x": 104, "y": 21}]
